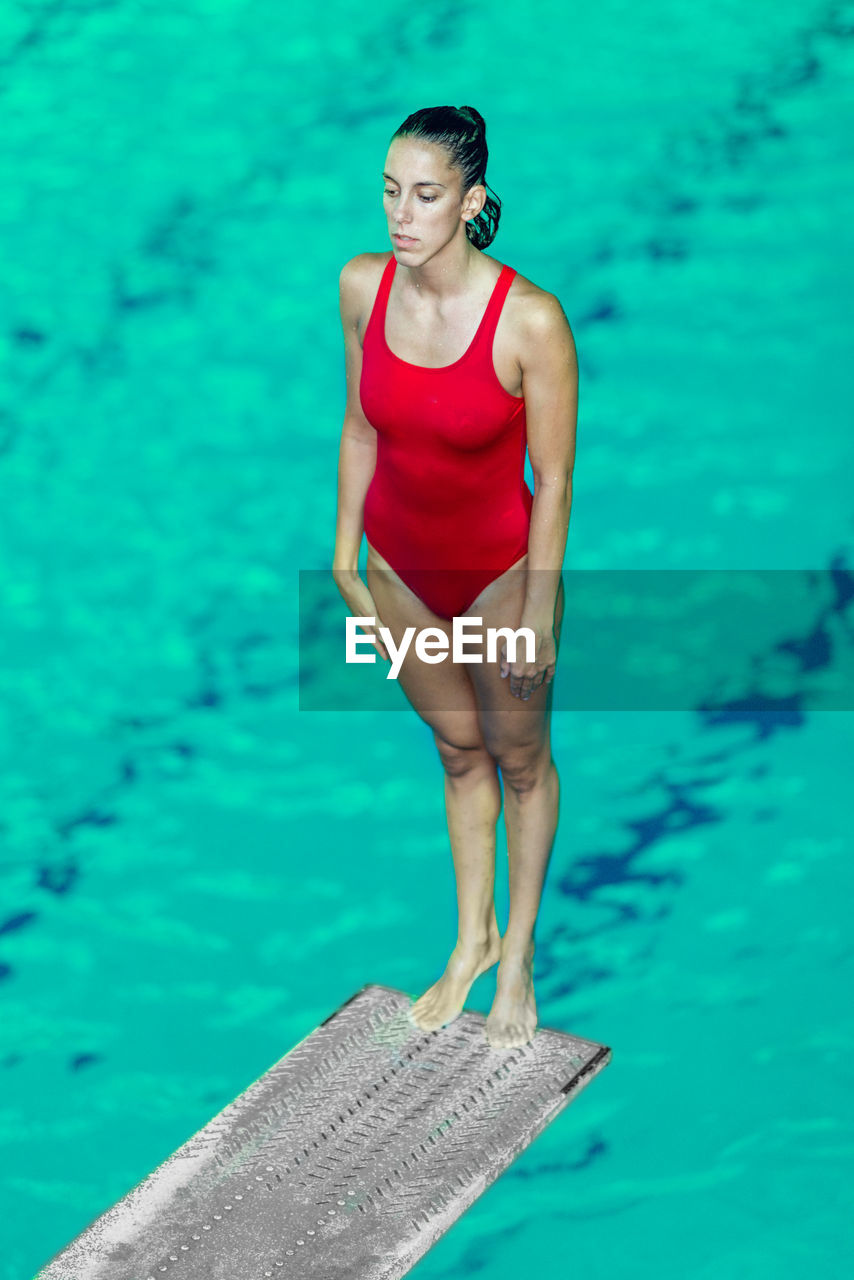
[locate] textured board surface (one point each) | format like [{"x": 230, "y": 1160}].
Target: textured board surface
[{"x": 349, "y": 1158}]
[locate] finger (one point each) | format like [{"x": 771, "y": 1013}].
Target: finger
[
  {"x": 532, "y": 683},
  {"x": 382, "y": 648},
  {"x": 377, "y": 642},
  {"x": 520, "y": 686}
]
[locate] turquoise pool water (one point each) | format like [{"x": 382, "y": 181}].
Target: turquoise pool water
[{"x": 194, "y": 872}]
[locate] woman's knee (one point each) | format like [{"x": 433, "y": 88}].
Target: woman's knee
[
  {"x": 523, "y": 766},
  {"x": 462, "y": 756}
]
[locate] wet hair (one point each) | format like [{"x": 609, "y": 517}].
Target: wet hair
[{"x": 461, "y": 131}]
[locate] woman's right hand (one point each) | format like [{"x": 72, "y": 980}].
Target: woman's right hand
[{"x": 360, "y": 603}]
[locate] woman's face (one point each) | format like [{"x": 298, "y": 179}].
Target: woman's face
[{"x": 422, "y": 199}]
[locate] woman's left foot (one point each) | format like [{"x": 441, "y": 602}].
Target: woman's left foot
[{"x": 512, "y": 1020}]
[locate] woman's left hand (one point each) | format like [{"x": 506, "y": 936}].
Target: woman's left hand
[{"x": 525, "y": 677}]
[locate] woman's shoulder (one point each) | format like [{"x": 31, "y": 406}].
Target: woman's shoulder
[
  {"x": 358, "y": 281},
  {"x": 363, "y": 267},
  {"x": 535, "y": 311},
  {"x": 530, "y": 296}
]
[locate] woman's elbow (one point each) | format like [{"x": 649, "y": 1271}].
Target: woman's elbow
[{"x": 557, "y": 482}]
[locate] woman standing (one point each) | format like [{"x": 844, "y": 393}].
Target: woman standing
[{"x": 455, "y": 363}]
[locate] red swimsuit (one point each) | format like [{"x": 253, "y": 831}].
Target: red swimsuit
[{"x": 448, "y": 506}]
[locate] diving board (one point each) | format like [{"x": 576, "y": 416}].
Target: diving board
[{"x": 346, "y": 1160}]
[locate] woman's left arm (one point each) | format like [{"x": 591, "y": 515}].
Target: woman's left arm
[{"x": 550, "y": 387}]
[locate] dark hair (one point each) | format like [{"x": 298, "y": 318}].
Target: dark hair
[{"x": 462, "y": 133}]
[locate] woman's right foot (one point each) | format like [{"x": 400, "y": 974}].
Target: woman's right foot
[{"x": 444, "y": 1001}]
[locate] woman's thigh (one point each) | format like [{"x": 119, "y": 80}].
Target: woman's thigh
[
  {"x": 442, "y": 694},
  {"x": 510, "y": 724}
]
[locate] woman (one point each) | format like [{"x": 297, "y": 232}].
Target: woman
[{"x": 453, "y": 363}]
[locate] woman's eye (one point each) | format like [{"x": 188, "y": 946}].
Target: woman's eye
[{"x": 426, "y": 199}]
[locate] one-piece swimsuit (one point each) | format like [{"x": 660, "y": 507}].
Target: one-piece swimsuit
[{"x": 448, "y": 506}]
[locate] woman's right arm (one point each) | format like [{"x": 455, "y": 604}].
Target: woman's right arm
[{"x": 357, "y": 455}]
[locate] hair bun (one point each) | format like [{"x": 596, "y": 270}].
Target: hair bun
[{"x": 476, "y": 117}]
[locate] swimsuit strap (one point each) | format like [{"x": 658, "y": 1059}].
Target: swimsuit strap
[
  {"x": 489, "y": 323},
  {"x": 381, "y": 300}
]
